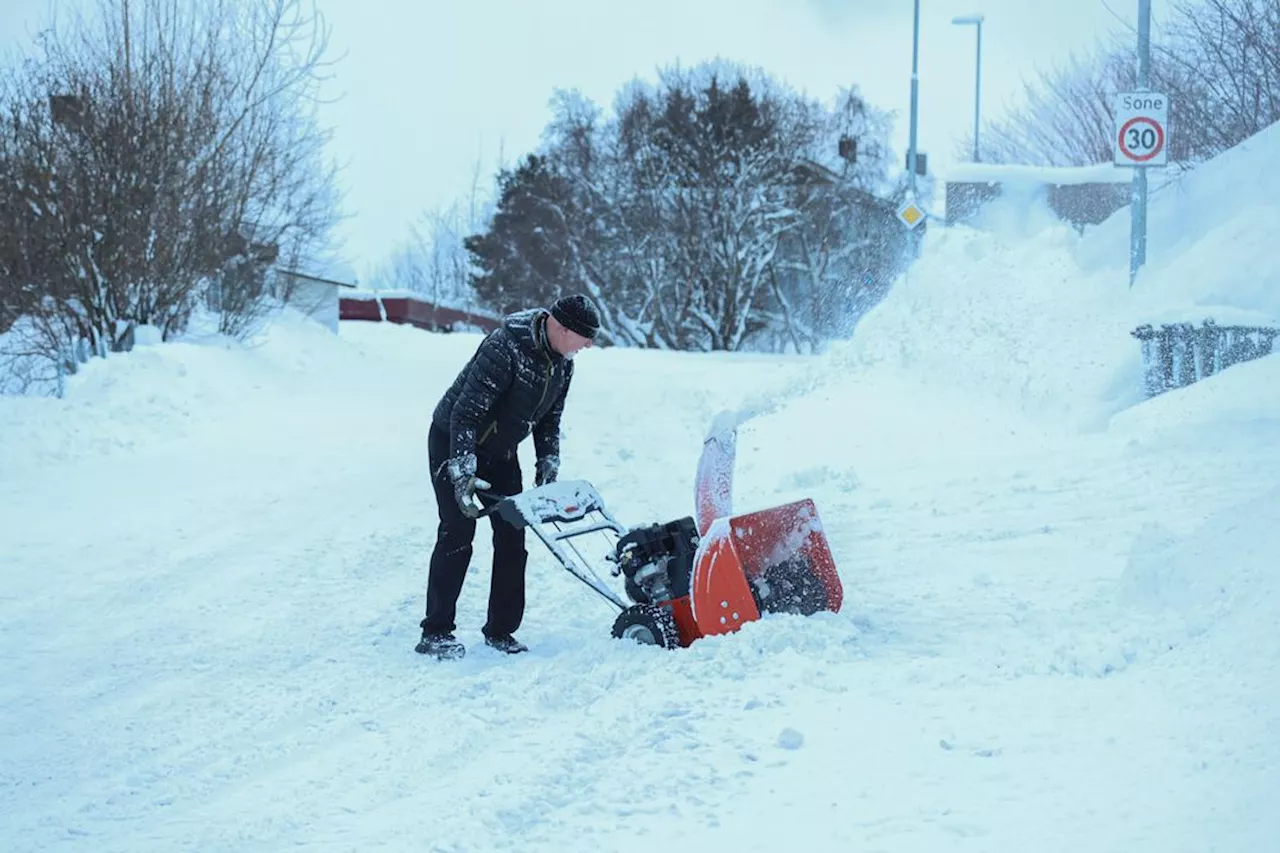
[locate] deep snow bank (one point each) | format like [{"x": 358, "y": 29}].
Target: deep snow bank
[
  {"x": 204, "y": 386},
  {"x": 1030, "y": 315}
]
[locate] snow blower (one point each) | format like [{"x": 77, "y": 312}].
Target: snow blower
[{"x": 688, "y": 579}]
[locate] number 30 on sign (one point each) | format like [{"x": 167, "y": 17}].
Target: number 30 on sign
[{"x": 1141, "y": 136}]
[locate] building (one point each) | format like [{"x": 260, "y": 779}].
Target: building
[
  {"x": 315, "y": 295},
  {"x": 413, "y": 309}
]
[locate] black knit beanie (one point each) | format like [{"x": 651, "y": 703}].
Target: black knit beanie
[{"x": 577, "y": 314}]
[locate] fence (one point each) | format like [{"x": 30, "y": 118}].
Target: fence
[
  {"x": 1178, "y": 354},
  {"x": 1080, "y": 195}
]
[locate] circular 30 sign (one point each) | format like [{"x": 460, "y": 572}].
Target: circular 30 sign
[{"x": 1141, "y": 138}]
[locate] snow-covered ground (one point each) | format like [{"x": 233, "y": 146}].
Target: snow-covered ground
[{"x": 1060, "y": 600}]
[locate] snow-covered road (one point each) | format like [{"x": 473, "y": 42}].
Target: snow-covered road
[{"x": 208, "y": 635}]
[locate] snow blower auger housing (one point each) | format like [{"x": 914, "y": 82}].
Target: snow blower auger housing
[{"x": 687, "y": 579}]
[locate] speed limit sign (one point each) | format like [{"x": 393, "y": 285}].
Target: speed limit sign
[{"x": 1141, "y": 134}]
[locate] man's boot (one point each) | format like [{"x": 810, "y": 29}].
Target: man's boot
[
  {"x": 440, "y": 645},
  {"x": 506, "y": 643}
]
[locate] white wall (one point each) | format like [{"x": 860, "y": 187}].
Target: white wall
[{"x": 317, "y": 300}]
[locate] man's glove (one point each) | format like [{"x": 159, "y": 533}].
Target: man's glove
[
  {"x": 462, "y": 474},
  {"x": 546, "y": 470}
]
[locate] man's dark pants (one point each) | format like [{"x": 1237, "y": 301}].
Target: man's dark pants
[{"x": 452, "y": 554}]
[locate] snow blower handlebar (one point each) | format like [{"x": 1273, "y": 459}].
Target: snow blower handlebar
[{"x": 559, "y": 513}]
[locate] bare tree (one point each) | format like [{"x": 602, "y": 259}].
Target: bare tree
[
  {"x": 1227, "y": 55},
  {"x": 159, "y": 156},
  {"x": 433, "y": 259},
  {"x": 1217, "y": 60},
  {"x": 1066, "y": 115},
  {"x": 612, "y": 242}
]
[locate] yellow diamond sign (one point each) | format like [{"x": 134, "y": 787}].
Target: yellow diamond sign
[{"x": 911, "y": 214}]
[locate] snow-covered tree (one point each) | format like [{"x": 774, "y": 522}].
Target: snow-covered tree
[{"x": 689, "y": 213}]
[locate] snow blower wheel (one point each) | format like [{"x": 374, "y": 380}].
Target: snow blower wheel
[{"x": 647, "y": 624}]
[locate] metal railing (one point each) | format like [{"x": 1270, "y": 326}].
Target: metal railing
[{"x": 1178, "y": 354}]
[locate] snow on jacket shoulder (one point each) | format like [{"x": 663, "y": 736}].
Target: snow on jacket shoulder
[{"x": 513, "y": 386}]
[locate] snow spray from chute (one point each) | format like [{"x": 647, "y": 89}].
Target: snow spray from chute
[
  {"x": 781, "y": 552},
  {"x": 714, "y": 489}
]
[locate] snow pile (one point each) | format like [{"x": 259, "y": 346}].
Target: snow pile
[
  {"x": 1229, "y": 409},
  {"x": 200, "y": 388},
  {"x": 1032, "y": 315},
  {"x": 1213, "y": 600},
  {"x": 1224, "y": 573},
  {"x": 1009, "y": 321},
  {"x": 1210, "y": 241},
  {"x": 1220, "y": 568}
]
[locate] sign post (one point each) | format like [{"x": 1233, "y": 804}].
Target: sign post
[{"x": 1141, "y": 139}]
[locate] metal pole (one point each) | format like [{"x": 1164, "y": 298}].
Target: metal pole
[
  {"x": 976, "y": 20},
  {"x": 915, "y": 99},
  {"x": 977, "y": 95},
  {"x": 1138, "y": 216}
]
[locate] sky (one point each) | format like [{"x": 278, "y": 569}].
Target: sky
[{"x": 426, "y": 91}]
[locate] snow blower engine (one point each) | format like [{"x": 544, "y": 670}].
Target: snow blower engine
[{"x": 688, "y": 579}]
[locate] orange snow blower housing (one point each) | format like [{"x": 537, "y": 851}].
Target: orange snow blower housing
[
  {"x": 769, "y": 560},
  {"x": 689, "y": 579}
]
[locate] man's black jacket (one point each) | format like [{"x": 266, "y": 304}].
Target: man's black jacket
[{"x": 514, "y": 385}]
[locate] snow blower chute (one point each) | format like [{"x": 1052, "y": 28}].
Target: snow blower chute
[{"x": 688, "y": 579}]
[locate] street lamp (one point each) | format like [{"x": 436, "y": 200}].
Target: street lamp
[
  {"x": 976, "y": 20},
  {"x": 915, "y": 98}
]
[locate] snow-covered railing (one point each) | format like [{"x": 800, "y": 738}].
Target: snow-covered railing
[{"x": 1178, "y": 354}]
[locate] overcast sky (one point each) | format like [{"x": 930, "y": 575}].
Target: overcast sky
[{"x": 426, "y": 88}]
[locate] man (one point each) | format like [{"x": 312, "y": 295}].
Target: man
[{"x": 513, "y": 386}]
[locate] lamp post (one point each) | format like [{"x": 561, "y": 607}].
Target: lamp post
[
  {"x": 976, "y": 20},
  {"x": 915, "y": 98}
]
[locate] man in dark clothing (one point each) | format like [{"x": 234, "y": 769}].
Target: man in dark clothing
[{"x": 515, "y": 385}]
